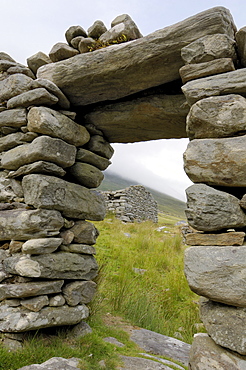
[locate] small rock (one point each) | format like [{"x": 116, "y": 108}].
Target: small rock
[
  {"x": 96, "y": 30},
  {"x": 57, "y": 301},
  {"x": 80, "y": 330},
  {"x": 38, "y": 96},
  {"x": 73, "y": 32},
  {"x": 37, "y": 60},
  {"x": 113, "y": 341},
  {"x": 61, "y": 51},
  {"x": 35, "y": 304}
]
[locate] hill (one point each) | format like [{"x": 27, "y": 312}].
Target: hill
[{"x": 166, "y": 203}]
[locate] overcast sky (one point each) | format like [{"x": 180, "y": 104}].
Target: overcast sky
[{"x": 29, "y": 26}]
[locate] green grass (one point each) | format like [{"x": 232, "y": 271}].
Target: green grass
[{"x": 156, "y": 297}]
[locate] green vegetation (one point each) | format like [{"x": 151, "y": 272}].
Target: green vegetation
[
  {"x": 166, "y": 203},
  {"x": 98, "y": 44},
  {"x": 140, "y": 283}
]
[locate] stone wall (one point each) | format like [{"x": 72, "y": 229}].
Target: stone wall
[
  {"x": 134, "y": 203},
  {"x": 214, "y": 160},
  {"x": 52, "y": 158},
  {"x": 50, "y": 164}
]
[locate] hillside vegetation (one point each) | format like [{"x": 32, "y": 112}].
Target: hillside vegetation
[{"x": 166, "y": 203}]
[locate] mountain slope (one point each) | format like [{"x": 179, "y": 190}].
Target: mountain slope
[{"x": 166, "y": 203}]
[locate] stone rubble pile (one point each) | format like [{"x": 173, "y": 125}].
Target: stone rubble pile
[
  {"x": 215, "y": 264},
  {"x": 134, "y": 203},
  {"x": 50, "y": 164}
]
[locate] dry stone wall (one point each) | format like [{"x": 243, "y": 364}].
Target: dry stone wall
[
  {"x": 50, "y": 164},
  {"x": 215, "y": 161},
  {"x": 134, "y": 203}
]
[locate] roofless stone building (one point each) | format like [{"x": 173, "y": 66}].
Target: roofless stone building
[{"x": 58, "y": 117}]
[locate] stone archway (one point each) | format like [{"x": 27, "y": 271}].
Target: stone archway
[{"x": 121, "y": 93}]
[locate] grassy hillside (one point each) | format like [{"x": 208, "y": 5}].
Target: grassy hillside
[{"x": 166, "y": 203}]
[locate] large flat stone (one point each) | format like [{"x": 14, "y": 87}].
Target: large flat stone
[
  {"x": 19, "y": 224},
  {"x": 209, "y": 209},
  {"x": 206, "y": 354},
  {"x": 230, "y": 238},
  {"x": 13, "y": 117},
  {"x": 58, "y": 265},
  {"x": 49, "y": 122},
  {"x": 72, "y": 200},
  {"x": 14, "y": 85},
  {"x": 152, "y": 117},
  {"x": 43, "y": 148},
  {"x": 218, "y": 273},
  {"x": 226, "y": 83},
  {"x": 85, "y": 156},
  {"x": 217, "y": 116},
  {"x": 159, "y": 344},
  {"x": 85, "y": 174},
  {"x": 17, "y": 138},
  {"x": 220, "y": 162},
  {"x": 225, "y": 324},
  {"x": 31, "y": 289},
  {"x": 21, "y": 319},
  {"x": 136, "y": 65}
]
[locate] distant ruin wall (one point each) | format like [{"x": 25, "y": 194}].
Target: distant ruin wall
[{"x": 134, "y": 203}]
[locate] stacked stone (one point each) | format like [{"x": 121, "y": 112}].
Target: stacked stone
[
  {"x": 123, "y": 29},
  {"x": 49, "y": 163},
  {"x": 134, "y": 203},
  {"x": 215, "y": 265}
]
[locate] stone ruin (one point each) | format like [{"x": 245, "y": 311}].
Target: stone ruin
[
  {"x": 134, "y": 203},
  {"x": 58, "y": 117}
]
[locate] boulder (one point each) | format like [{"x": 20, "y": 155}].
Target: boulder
[
  {"x": 14, "y": 85},
  {"x": 208, "y": 48},
  {"x": 230, "y": 238},
  {"x": 96, "y": 30},
  {"x": 37, "y": 60},
  {"x": 241, "y": 45},
  {"x": 74, "y": 31},
  {"x": 130, "y": 121},
  {"x": 58, "y": 265},
  {"x": 61, "y": 51},
  {"x": 87, "y": 175},
  {"x": 18, "y": 68},
  {"x": 206, "y": 354},
  {"x": 84, "y": 232},
  {"x": 121, "y": 32},
  {"x": 18, "y": 138},
  {"x": 57, "y": 301},
  {"x": 78, "y": 248},
  {"x": 24, "y": 224},
  {"x": 54, "y": 90},
  {"x": 79, "y": 292},
  {"x": 159, "y": 344},
  {"x": 38, "y": 96},
  {"x": 217, "y": 116},
  {"x": 225, "y": 83},
  {"x": 13, "y": 117},
  {"x": 41, "y": 246},
  {"x": 100, "y": 146},
  {"x": 86, "y": 156},
  {"x": 49, "y": 122},
  {"x": 35, "y": 304},
  {"x": 74, "y": 201},
  {"x": 86, "y": 44},
  {"x": 209, "y": 209},
  {"x": 193, "y": 71},
  {"x": 43, "y": 148},
  {"x": 218, "y": 273},
  {"x": 47, "y": 168},
  {"x": 225, "y": 324},
  {"x": 30, "y": 289},
  {"x": 10, "y": 189},
  {"x": 121, "y": 72},
  {"x": 56, "y": 363},
  {"x": 220, "y": 162},
  {"x": 5, "y": 56},
  {"x": 21, "y": 319}
]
